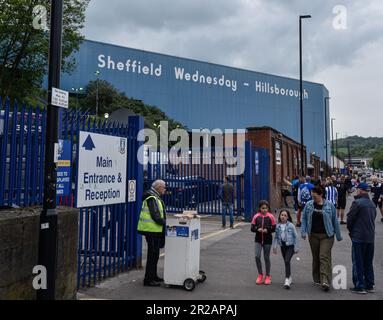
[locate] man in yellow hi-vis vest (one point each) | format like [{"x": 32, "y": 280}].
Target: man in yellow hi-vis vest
[{"x": 152, "y": 224}]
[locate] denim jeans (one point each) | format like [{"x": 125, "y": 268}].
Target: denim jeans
[
  {"x": 227, "y": 207},
  {"x": 362, "y": 265}
]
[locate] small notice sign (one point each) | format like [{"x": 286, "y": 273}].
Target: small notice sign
[
  {"x": 132, "y": 191},
  {"x": 60, "y": 98}
]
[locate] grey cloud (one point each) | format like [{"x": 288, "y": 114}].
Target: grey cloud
[{"x": 257, "y": 35}]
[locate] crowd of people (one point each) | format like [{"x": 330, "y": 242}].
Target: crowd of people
[
  {"x": 336, "y": 189},
  {"x": 320, "y": 210}
]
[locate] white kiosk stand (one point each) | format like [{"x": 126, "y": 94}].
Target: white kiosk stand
[{"x": 182, "y": 251}]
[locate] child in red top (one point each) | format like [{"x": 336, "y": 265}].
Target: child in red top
[{"x": 263, "y": 224}]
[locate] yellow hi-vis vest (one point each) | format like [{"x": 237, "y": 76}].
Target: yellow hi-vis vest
[{"x": 146, "y": 223}]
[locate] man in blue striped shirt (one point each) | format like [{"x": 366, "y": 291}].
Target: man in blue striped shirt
[{"x": 331, "y": 193}]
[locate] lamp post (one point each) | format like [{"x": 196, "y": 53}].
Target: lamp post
[
  {"x": 97, "y": 73},
  {"x": 325, "y": 126},
  {"x": 77, "y": 90},
  {"x": 332, "y": 142},
  {"x": 48, "y": 240},
  {"x": 301, "y": 87},
  {"x": 336, "y": 148}
]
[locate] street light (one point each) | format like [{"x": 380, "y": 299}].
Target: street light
[
  {"x": 325, "y": 125},
  {"x": 97, "y": 73},
  {"x": 336, "y": 147},
  {"x": 301, "y": 87},
  {"x": 332, "y": 142},
  {"x": 77, "y": 90}
]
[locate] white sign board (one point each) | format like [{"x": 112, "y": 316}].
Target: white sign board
[
  {"x": 132, "y": 191},
  {"x": 60, "y": 98},
  {"x": 102, "y": 162}
]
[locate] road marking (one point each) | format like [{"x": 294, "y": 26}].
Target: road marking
[{"x": 214, "y": 234}]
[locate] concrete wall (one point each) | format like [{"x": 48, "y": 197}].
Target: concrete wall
[{"x": 19, "y": 234}]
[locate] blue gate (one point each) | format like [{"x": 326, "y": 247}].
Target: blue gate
[
  {"x": 196, "y": 185},
  {"x": 108, "y": 241},
  {"x": 256, "y": 178}
]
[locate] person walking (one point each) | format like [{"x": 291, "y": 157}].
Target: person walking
[
  {"x": 377, "y": 191},
  {"x": 304, "y": 196},
  {"x": 295, "y": 186},
  {"x": 320, "y": 223},
  {"x": 227, "y": 196},
  {"x": 331, "y": 193},
  {"x": 286, "y": 190},
  {"x": 286, "y": 237},
  {"x": 152, "y": 225},
  {"x": 263, "y": 224},
  {"x": 361, "y": 225},
  {"x": 342, "y": 188}
]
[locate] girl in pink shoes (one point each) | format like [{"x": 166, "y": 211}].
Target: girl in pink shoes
[{"x": 263, "y": 224}]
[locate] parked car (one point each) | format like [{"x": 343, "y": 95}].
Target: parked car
[{"x": 189, "y": 191}]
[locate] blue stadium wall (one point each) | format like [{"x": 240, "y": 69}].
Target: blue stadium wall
[{"x": 206, "y": 95}]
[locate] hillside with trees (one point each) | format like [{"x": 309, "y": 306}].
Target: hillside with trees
[{"x": 371, "y": 147}]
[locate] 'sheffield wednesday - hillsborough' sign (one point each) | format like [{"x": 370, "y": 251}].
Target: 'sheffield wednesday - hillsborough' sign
[
  {"x": 102, "y": 163},
  {"x": 182, "y": 74}
]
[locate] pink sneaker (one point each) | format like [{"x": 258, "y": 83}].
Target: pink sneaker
[
  {"x": 268, "y": 280},
  {"x": 259, "y": 279}
]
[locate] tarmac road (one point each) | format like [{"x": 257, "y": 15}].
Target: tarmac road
[{"x": 227, "y": 257}]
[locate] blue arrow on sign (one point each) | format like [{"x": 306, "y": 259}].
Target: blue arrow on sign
[{"x": 88, "y": 144}]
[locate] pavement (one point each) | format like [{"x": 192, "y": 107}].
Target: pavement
[{"x": 227, "y": 257}]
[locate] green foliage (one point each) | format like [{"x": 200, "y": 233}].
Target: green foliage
[
  {"x": 377, "y": 160},
  {"x": 359, "y": 146},
  {"x": 24, "y": 49},
  {"x": 110, "y": 99}
]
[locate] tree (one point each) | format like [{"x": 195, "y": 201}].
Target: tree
[
  {"x": 377, "y": 160},
  {"x": 24, "y": 48},
  {"x": 110, "y": 99}
]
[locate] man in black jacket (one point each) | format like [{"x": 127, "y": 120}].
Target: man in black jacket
[
  {"x": 377, "y": 192},
  {"x": 361, "y": 225}
]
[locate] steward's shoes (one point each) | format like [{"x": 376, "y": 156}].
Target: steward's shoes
[
  {"x": 158, "y": 279},
  {"x": 358, "y": 290},
  {"x": 151, "y": 283}
]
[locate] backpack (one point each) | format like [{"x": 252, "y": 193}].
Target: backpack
[{"x": 305, "y": 195}]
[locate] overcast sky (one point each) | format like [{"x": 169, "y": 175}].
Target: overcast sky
[{"x": 342, "y": 49}]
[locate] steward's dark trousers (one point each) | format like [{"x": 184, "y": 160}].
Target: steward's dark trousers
[
  {"x": 153, "y": 255},
  {"x": 362, "y": 265}
]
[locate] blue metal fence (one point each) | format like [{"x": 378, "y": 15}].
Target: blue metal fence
[
  {"x": 193, "y": 186},
  {"x": 22, "y": 133},
  {"x": 108, "y": 241}
]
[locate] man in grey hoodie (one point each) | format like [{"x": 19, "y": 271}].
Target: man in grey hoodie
[{"x": 361, "y": 225}]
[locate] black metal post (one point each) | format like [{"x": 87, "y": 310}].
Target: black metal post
[
  {"x": 336, "y": 148},
  {"x": 301, "y": 90},
  {"x": 48, "y": 217},
  {"x": 325, "y": 126},
  {"x": 97, "y": 74},
  {"x": 332, "y": 143}
]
